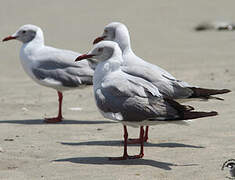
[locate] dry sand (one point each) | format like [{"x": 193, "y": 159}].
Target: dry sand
[{"x": 78, "y": 148}]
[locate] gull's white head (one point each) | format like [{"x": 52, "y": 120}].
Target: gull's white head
[
  {"x": 27, "y": 33},
  {"x": 102, "y": 51},
  {"x": 116, "y": 32}
]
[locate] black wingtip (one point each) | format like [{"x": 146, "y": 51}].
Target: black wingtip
[
  {"x": 198, "y": 114},
  {"x": 186, "y": 112},
  {"x": 213, "y": 113},
  {"x": 225, "y": 91},
  {"x": 206, "y": 93}
]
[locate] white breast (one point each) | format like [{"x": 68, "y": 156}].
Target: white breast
[
  {"x": 100, "y": 73},
  {"x": 27, "y": 62}
]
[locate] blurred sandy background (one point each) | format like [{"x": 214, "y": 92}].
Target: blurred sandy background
[{"x": 162, "y": 33}]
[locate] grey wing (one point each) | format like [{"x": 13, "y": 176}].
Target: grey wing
[
  {"x": 68, "y": 77},
  {"x": 134, "y": 101},
  {"x": 59, "y": 65},
  {"x": 167, "y": 85}
]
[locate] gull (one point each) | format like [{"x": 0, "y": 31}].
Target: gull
[
  {"x": 168, "y": 85},
  {"x": 51, "y": 67},
  {"x": 129, "y": 98}
]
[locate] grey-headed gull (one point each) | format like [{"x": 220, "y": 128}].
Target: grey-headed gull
[
  {"x": 50, "y": 67},
  {"x": 168, "y": 86},
  {"x": 130, "y": 98}
]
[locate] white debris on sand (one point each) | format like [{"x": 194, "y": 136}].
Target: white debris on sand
[
  {"x": 1, "y": 149},
  {"x": 24, "y": 109},
  {"x": 75, "y": 108}
]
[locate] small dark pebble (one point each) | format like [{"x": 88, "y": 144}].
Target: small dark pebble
[{"x": 99, "y": 129}]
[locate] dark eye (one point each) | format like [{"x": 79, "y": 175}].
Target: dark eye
[
  {"x": 100, "y": 49},
  {"x": 23, "y": 32}
]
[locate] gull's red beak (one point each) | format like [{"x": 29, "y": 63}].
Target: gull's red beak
[
  {"x": 84, "y": 56},
  {"x": 9, "y": 38},
  {"x": 99, "y": 39}
]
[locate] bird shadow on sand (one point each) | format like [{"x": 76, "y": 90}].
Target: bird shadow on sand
[
  {"x": 106, "y": 161},
  {"x": 120, "y": 143},
  {"x": 65, "y": 121}
]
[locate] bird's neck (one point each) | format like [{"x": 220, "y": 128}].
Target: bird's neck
[
  {"x": 28, "y": 50},
  {"x": 123, "y": 40},
  {"x": 37, "y": 41},
  {"x": 33, "y": 45},
  {"x": 103, "y": 70},
  {"x": 113, "y": 63},
  {"x": 125, "y": 45},
  {"x": 110, "y": 65},
  {"x": 126, "y": 49}
]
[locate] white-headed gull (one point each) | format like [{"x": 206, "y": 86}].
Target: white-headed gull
[
  {"x": 130, "y": 98},
  {"x": 168, "y": 86},
  {"x": 50, "y": 67}
]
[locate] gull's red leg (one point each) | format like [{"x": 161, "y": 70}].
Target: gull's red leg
[
  {"x": 138, "y": 140},
  {"x": 59, "y": 117},
  {"x": 134, "y": 140},
  {"x": 125, "y": 154},
  {"x": 146, "y": 134},
  {"x": 141, "y": 143}
]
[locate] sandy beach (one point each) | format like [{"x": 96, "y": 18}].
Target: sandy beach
[{"x": 161, "y": 33}]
